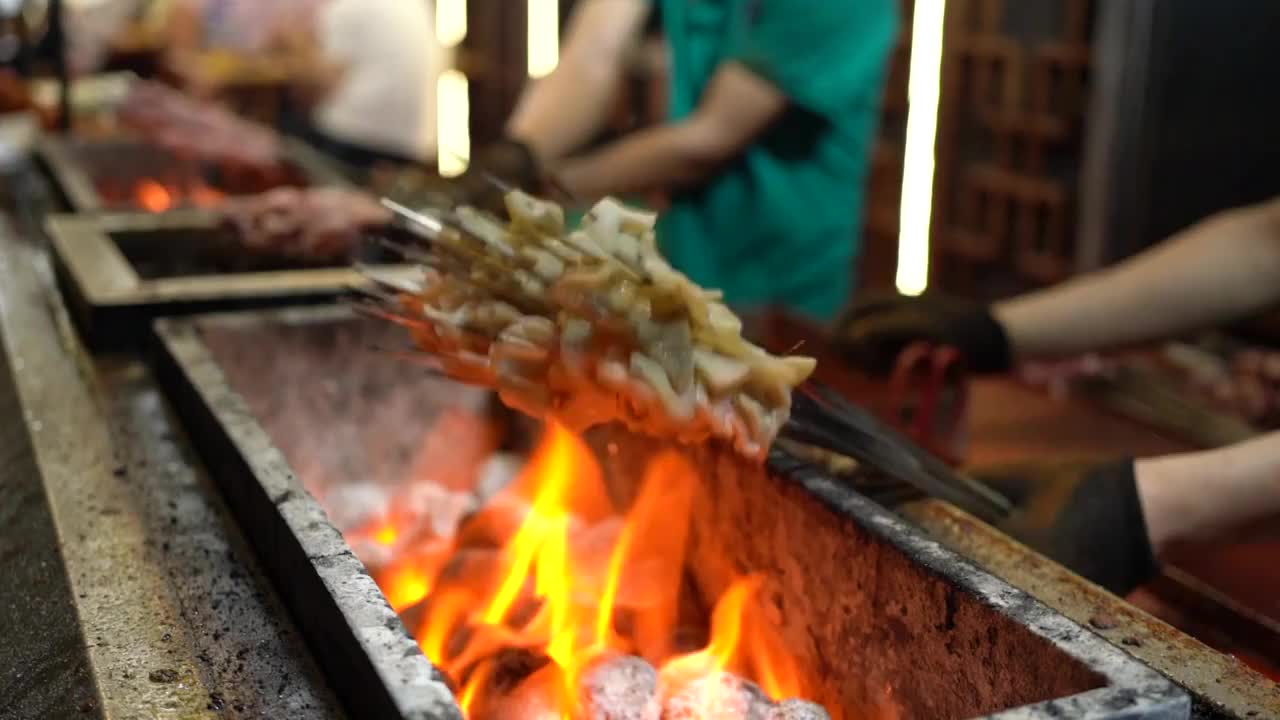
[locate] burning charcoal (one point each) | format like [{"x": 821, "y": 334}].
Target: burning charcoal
[
  {"x": 717, "y": 696},
  {"x": 440, "y": 508},
  {"x": 497, "y": 473},
  {"x": 620, "y": 688},
  {"x": 513, "y": 665},
  {"x": 534, "y": 698},
  {"x": 493, "y": 524},
  {"x": 797, "y": 710},
  {"x": 356, "y": 504},
  {"x": 471, "y": 565}
]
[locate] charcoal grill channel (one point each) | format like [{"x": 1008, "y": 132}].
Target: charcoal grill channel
[
  {"x": 112, "y": 302},
  {"x": 370, "y": 659},
  {"x": 72, "y": 163},
  {"x": 327, "y": 588}
]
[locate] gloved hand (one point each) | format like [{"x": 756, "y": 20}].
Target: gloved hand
[
  {"x": 872, "y": 332},
  {"x": 1087, "y": 517},
  {"x": 507, "y": 161}
]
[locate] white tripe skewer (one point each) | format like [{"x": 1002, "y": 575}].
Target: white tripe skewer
[{"x": 590, "y": 324}]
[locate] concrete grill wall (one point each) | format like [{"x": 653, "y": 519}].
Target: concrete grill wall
[{"x": 881, "y": 632}]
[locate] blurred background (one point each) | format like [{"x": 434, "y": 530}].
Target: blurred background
[{"x": 1068, "y": 134}]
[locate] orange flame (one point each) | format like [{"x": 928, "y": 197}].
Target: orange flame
[
  {"x": 405, "y": 587},
  {"x": 412, "y": 577},
  {"x": 564, "y": 574},
  {"x": 386, "y": 534}
]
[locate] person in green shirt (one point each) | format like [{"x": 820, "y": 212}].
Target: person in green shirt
[{"x": 773, "y": 108}]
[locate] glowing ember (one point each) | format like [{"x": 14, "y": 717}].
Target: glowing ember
[
  {"x": 386, "y": 535},
  {"x": 153, "y": 197},
  {"x": 157, "y": 197},
  {"x": 203, "y": 196},
  {"x": 573, "y": 607}
]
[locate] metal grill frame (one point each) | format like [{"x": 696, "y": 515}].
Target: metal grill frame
[
  {"x": 364, "y": 647},
  {"x": 112, "y": 304}
]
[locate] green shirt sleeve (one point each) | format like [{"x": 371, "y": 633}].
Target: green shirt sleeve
[{"x": 827, "y": 56}]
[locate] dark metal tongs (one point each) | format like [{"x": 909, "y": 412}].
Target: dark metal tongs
[{"x": 822, "y": 418}]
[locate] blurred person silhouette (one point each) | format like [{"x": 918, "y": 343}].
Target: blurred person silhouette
[
  {"x": 772, "y": 111},
  {"x": 368, "y": 75},
  {"x": 1111, "y": 522},
  {"x": 364, "y": 70},
  {"x": 241, "y": 26}
]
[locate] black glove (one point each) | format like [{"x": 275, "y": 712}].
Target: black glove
[
  {"x": 874, "y": 331},
  {"x": 1087, "y": 517},
  {"x": 507, "y": 162}
]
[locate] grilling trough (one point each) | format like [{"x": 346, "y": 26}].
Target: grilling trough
[
  {"x": 779, "y": 573},
  {"x": 124, "y": 174},
  {"x": 120, "y": 270}
]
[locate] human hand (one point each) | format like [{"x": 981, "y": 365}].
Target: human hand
[
  {"x": 873, "y": 331},
  {"x": 509, "y": 163},
  {"x": 1088, "y": 516},
  {"x": 320, "y": 225}
]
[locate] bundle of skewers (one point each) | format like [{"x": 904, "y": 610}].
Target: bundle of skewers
[
  {"x": 587, "y": 326},
  {"x": 591, "y": 325}
]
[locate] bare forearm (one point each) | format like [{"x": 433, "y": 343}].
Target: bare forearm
[
  {"x": 1223, "y": 268},
  {"x": 564, "y": 110},
  {"x": 662, "y": 158},
  {"x": 1198, "y": 495}
]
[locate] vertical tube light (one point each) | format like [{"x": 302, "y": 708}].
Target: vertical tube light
[
  {"x": 923, "y": 90},
  {"x": 453, "y": 121},
  {"x": 451, "y": 22},
  {"x": 544, "y": 37}
]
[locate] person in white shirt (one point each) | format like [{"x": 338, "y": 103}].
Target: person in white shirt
[
  {"x": 242, "y": 26},
  {"x": 372, "y": 74},
  {"x": 91, "y": 26}
]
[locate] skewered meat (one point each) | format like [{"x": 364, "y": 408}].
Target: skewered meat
[
  {"x": 1244, "y": 381},
  {"x": 592, "y": 325},
  {"x": 314, "y": 225}
]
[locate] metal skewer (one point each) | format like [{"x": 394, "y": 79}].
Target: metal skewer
[{"x": 422, "y": 224}]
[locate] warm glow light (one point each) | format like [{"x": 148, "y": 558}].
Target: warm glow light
[
  {"x": 453, "y": 123},
  {"x": 154, "y": 197},
  {"x": 203, "y": 196},
  {"x": 451, "y": 22},
  {"x": 386, "y": 535},
  {"x": 468, "y": 697},
  {"x": 923, "y": 88},
  {"x": 554, "y": 467},
  {"x": 726, "y": 628},
  {"x": 446, "y": 609},
  {"x": 563, "y": 563},
  {"x": 405, "y": 587},
  {"x": 544, "y": 37}
]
